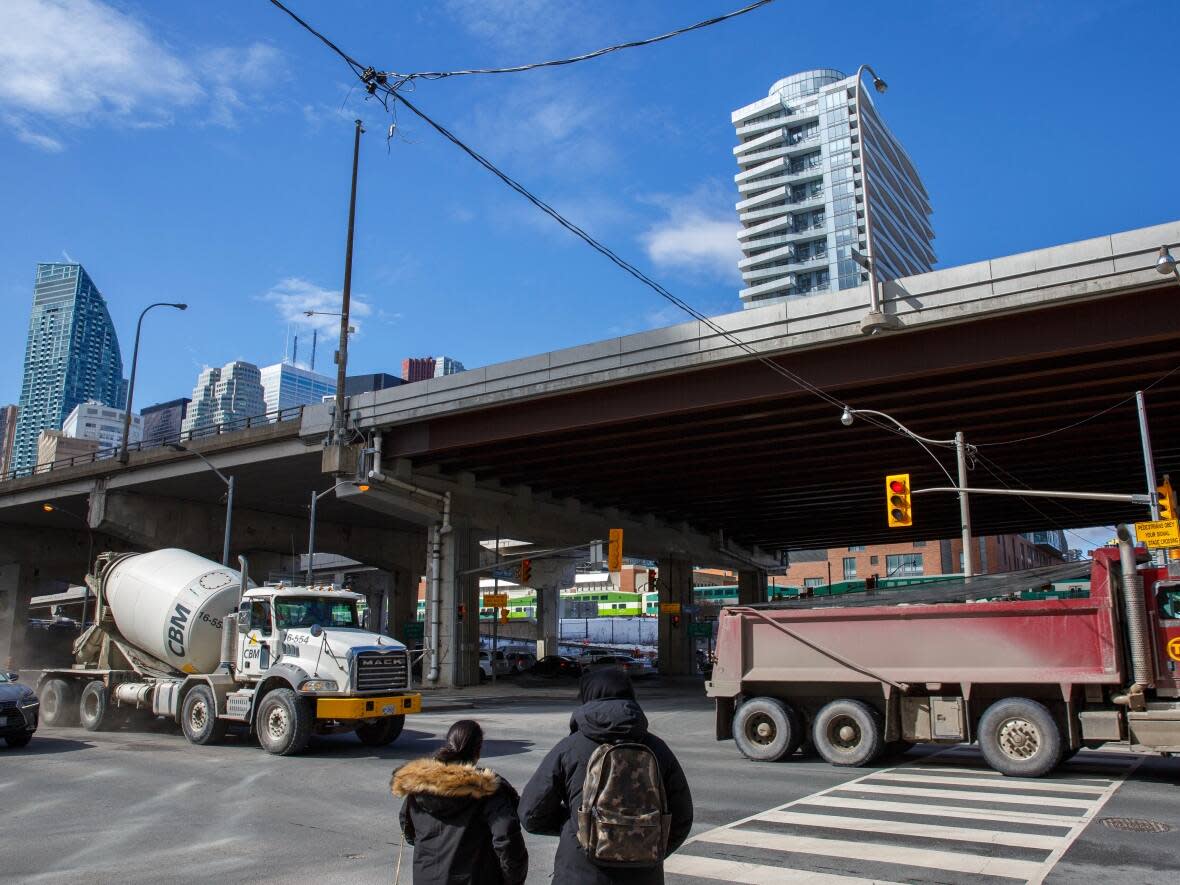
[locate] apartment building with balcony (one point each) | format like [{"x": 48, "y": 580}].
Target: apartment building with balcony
[{"x": 803, "y": 152}]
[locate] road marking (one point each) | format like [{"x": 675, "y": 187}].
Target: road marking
[
  {"x": 906, "y": 828},
  {"x": 880, "y": 808}
]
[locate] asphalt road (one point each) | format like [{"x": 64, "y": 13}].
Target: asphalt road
[{"x": 145, "y": 807}]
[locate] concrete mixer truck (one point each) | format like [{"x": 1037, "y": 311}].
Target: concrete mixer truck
[{"x": 180, "y": 636}]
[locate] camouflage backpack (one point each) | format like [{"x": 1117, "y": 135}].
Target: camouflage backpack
[{"x": 624, "y": 820}]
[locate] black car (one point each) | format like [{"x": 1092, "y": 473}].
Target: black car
[
  {"x": 18, "y": 711},
  {"x": 556, "y": 665}
]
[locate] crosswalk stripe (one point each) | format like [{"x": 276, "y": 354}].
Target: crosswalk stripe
[
  {"x": 753, "y": 873},
  {"x": 905, "y": 828},
  {"x": 969, "y": 795},
  {"x": 953, "y": 811},
  {"x": 1033, "y": 786},
  {"x": 960, "y": 862},
  {"x": 1062, "y": 776}
]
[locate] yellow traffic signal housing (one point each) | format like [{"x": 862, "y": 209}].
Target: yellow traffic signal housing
[
  {"x": 524, "y": 571},
  {"x": 1167, "y": 498},
  {"x": 897, "y": 500}
]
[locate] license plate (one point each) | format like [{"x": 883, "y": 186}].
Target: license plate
[{"x": 388, "y": 710}]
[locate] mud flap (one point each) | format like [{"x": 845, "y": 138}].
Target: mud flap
[{"x": 724, "y": 718}]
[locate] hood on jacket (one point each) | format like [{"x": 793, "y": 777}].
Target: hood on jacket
[
  {"x": 610, "y": 720},
  {"x": 429, "y": 777},
  {"x": 605, "y": 682}
]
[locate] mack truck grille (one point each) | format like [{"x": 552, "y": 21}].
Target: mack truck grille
[{"x": 381, "y": 672}]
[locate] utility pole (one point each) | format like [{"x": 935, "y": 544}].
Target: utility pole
[
  {"x": 495, "y": 611},
  {"x": 964, "y": 505},
  {"x": 1148, "y": 460},
  {"x": 342, "y": 353}
]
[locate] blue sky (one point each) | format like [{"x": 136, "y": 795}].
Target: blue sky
[{"x": 200, "y": 153}]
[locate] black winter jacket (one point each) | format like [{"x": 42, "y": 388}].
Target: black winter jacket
[
  {"x": 462, "y": 823},
  {"x": 553, "y": 795}
]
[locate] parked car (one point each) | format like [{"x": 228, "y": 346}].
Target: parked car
[
  {"x": 633, "y": 667},
  {"x": 19, "y": 710},
  {"x": 503, "y": 668},
  {"x": 520, "y": 661},
  {"x": 552, "y": 666}
]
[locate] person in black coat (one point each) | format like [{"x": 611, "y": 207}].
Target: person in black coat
[
  {"x": 608, "y": 713},
  {"x": 460, "y": 819}
]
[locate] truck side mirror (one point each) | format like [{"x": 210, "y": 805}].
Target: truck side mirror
[{"x": 243, "y": 619}]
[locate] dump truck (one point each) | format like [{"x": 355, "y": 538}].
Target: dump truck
[
  {"x": 1029, "y": 678},
  {"x": 181, "y": 636}
]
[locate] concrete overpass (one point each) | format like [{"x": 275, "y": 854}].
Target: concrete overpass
[{"x": 701, "y": 452}]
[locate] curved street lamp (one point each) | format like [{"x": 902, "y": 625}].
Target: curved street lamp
[
  {"x": 229, "y": 496},
  {"x": 131, "y": 383},
  {"x": 1166, "y": 264},
  {"x": 53, "y": 508},
  {"x": 315, "y": 499},
  {"x": 875, "y": 320}
]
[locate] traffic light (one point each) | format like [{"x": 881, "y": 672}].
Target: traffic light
[
  {"x": 503, "y": 616},
  {"x": 1167, "y": 498},
  {"x": 897, "y": 500},
  {"x": 651, "y": 580},
  {"x": 614, "y": 551},
  {"x": 524, "y": 572},
  {"x": 462, "y": 611},
  {"x": 675, "y": 622}
]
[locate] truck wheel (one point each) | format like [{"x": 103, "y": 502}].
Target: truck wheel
[
  {"x": 382, "y": 733},
  {"x": 198, "y": 717},
  {"x": 1019, "y": 738},
  {"x": 766, "y": 729},
  {"x": 848, "y": 733},
  {"x": 283, "y": 723},
  {"x": 59, "y": 703},
  {"x": 94, "y": 707}
]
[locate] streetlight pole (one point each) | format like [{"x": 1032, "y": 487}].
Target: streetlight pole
[
  {"x": 315, "y": 498},
  {"x": 229, "y": 497},
  {"x": 875, "y": 320},
  {"x": 131, "y": 384},
  {"x": 1148, "y": 459},
  {"x": 346, "y": 295}
]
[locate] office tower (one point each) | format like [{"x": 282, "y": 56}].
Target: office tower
[
  {"x": 54, "y": 446},
  {"x": 104, "y": 425},
  {"x": 71, "y": 356},
  {"x": 355, "y": 384},
  {"x": 227, "y": 396},
  {"x": 421, "y": 368},
  {"x": 162, "y": 422},
  {"x": 803, "y": 153},
  {"x": 287, "y": 386},
  {"x": 7, "y": 436}
]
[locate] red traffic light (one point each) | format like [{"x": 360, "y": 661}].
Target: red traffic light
[{"x": 897, "y": 486}]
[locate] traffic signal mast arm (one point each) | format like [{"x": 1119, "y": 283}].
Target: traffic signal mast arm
[{"x": 1037, "y": 493}]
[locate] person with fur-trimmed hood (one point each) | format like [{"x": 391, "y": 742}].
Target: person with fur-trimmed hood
[{"x": 460, "y": 819}]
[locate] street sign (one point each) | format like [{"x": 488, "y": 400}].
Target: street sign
[
  {"x": 701, "y": 629},
  {"x": 414, "y": 630},
  {"x": 507, "y": 573},
  {"x": 1163, "y": 533},
  {"x": 670, "y": 608},
  {"x": 495, "y": 600},
  {"x": 614, "y": 552},
  {"x": 690, "y": 609}
]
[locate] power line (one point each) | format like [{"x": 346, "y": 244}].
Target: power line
[{"x": 598, "y": 53}]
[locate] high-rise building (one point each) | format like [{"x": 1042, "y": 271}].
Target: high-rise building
[
  {"x": 162, "y": 422},
  {"x": 229, "y": 395},
  {"x": 421, "y": 368},
  {"x": 355, "y": 384},
  {"x": 286, "y": 386},
  {"x": 54, "y": 445},
  {"x": 71, "y": 356},
  {"x": 104, "y": 425},
  {"x": 7, "y": 436},
  {"x": 803, "y": 153}
]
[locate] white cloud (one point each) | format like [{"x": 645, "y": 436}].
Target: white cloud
[
  {"x": 530, "y": 26},
  {"x": 697, "y": 236},
  {"x": 293, "y": 297},
  {"x": 81, "y": 62}
]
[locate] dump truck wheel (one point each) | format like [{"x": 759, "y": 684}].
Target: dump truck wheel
[
  {"x": 381, "y": 733},
  {"x": 1019, "y": 738},
  {"x": 848, "y": 733},
  {"x": 766, "y": 729},
  {"x": 94, "y": 707},
  {"x": 283, "y": 723},
  {"x": 59, "y": 703},
  {"x": 198, "y": 717}
]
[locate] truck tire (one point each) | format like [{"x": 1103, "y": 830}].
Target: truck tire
[
  {"x": 1019, "y": 738},
  {"x": 766, "y": 730},
  {"x": 283, "y": 722},
  {"x": 59, "y": 703},
  {"x": 848, "y": 733},
  {"x": 198, "y": 717},
  {"x": 94, "y": 707},
  {"x": 381, "y": 733}
]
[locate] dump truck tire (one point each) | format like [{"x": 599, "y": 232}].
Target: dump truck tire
[
  {"x": 766, "y": 729},
  {"x": 1019, "y": 738},
  {"x": 283, "y": 723},
  {"x": 848, "y": 733}
]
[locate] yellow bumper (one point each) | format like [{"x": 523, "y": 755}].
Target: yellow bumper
[{"x": 368, "y": 708}]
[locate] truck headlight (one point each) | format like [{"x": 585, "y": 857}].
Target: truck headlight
[{"x": 318, "y": 685}]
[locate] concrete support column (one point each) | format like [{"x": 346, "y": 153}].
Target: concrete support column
[
  {"x": 548, "y": 607},
  {"x": 458, "y": 642},
  {"x": 16, "y": 588},
  {"x": 752, "y": 586},
  {"x": 403, "y": 600},
  {"x": 675, "y": 585}
]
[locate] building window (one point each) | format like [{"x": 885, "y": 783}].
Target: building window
[
  {"x": 813, "y": 582},
  {"x": 857, "y": 548},
  {"x": 849, "y": 567},
  {"x": 874, "y": 559},
  {"x": 903, "y": 565},
  {"x": 919, "y": 543}
]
